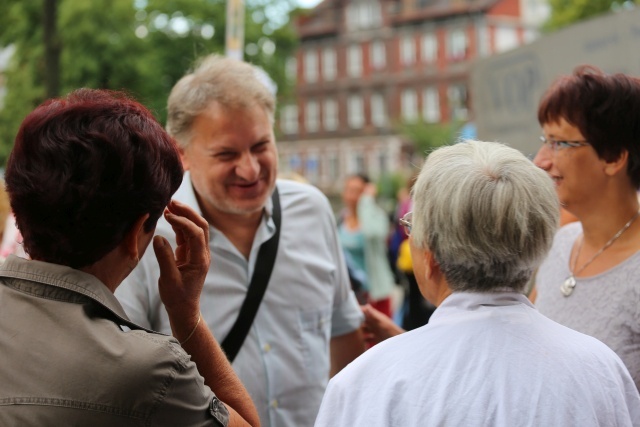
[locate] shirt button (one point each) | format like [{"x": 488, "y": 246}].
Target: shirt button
[
  {"x": 266, "y": 348},
  {"x": 274, "y": 403}
]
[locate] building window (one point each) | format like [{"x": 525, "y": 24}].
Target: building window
[
  {"x": 536, "y": 12},
  {"x": 429, "y": 48},
  {"x": 330, "y": 114},
  {"x": 295, "y": 163},
  {"x": 358, "y": 164},
  {"x": 409, "y": 105},
  {"x": 431, "y": 105},
  {"x": 311, "y": 116},
  {"x": 506, "y": 39},
  {"x": 354, "y": 61},
  {"x": 484, "y": 44},
  {"x": 329, "y": 64},
  {"x": 289, "y": 119},
  {"x": 378, "y": 54},
  {"x": 312, "y": 168},
  {"x": 311, "y": 66},
  {"x": 378, "y": 110},
  {"x": 407, "y": 50},
  {"x": 383, "y": 163},
  {"x": 333, "y": 166},
  {"x": 457, "y": 44},
  {"x": 355, "y": 111},
  {"x": 457, "y": 95},
  {"x": 363, "y": 14}
]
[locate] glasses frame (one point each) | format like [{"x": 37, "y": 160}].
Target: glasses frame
[
  {"x": 558, "y": 145},
  {"x": 405, "y": 221}
]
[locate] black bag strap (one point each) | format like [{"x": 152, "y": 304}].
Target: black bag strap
[{"x": 257, "y": 287}]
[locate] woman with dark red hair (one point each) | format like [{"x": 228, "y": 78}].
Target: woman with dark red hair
[
  {"x": 88, "y": 178},
  {"x": 591, "y": 149}
]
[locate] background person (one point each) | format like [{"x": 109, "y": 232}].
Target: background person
[
  {"x": 363, "y": 231},
  {"x": 308, "y": 321},
  {"x": 484, "y": 218},
  {"x": 88, "y": 177},
  {"x": 591, "y": 150}
]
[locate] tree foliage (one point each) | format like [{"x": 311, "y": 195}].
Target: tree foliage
[
  {"x": 140, "y": 46},
  {"x": 566, "y": 12},
  {"x": 428, "y": 136}
]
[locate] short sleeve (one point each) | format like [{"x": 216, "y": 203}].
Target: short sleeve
[
  {"x": 347, "y": 317},
  {"x": 189, "y": 402}
]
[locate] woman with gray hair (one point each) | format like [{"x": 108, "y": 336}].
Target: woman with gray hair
[{"x": 484, "y": 218}]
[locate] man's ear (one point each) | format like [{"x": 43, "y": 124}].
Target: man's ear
[
  {"x": 615, "y": 166},
  {"x": 431, "y": 266},
  {"x": 135, "y": 240},
  {"x": 183, "y": 157}
]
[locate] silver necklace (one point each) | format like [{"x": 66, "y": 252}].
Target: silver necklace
[{"x": 570, "y": 282}]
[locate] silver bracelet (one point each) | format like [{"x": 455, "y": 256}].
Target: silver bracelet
[{"x": 194, "y": 329}]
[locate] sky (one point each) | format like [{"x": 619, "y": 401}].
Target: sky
[{"x": 308, "y": 3}]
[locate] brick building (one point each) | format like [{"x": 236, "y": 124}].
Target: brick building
[{"x": 363, "y": 66}]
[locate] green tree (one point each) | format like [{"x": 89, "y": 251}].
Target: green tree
[
  {"x": 20, "y": 26},
  {"x": 141, "y": 46},
  {"x": 428, "y": 136},
  {"x": 566, "y": 12}
]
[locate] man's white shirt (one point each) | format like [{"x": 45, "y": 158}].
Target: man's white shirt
[{"x": 284, "y": 362}]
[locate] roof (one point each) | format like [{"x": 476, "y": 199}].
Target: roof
[{"x": 317, "y": 23}]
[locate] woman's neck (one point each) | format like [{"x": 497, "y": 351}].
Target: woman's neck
[{"x": 600, "y": 224}]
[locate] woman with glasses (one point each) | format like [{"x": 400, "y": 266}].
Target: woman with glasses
[{"x": 591, "y": 149}]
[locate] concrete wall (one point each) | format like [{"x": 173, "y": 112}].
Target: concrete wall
[{"x": 507, "y": 88}]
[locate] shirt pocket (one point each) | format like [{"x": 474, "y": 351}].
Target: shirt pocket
[{"x": 315, "y": 328}]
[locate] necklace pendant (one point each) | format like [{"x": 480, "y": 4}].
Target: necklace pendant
[{"x": 568, "y": 285}]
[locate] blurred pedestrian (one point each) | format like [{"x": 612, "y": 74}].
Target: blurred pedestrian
[{"x": 363, "y": 230}]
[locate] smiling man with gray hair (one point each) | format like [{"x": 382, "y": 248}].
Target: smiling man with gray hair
[
  {"x": 277, "y": 294},
  {"x": 484, "y": 219}
]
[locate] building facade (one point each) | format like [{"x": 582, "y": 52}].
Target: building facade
[{"x": 364, "y": 66}]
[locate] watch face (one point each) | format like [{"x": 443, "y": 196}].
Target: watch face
[{"x": 219, "y": 411}]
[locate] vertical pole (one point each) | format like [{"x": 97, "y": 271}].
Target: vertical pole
[
  {"x": 234, "y": 42},
  {"x": 51, "y": 49}
]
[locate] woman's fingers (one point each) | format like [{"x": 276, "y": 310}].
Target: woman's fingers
[{"x": 192, "y": 240}]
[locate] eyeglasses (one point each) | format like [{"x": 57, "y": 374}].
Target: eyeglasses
[
  {"x": 405, "y": 221},
  {"x": 561, "y": 145}
]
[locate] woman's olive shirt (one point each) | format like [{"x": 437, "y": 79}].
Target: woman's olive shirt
[{"x": 70, "y": 356}]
